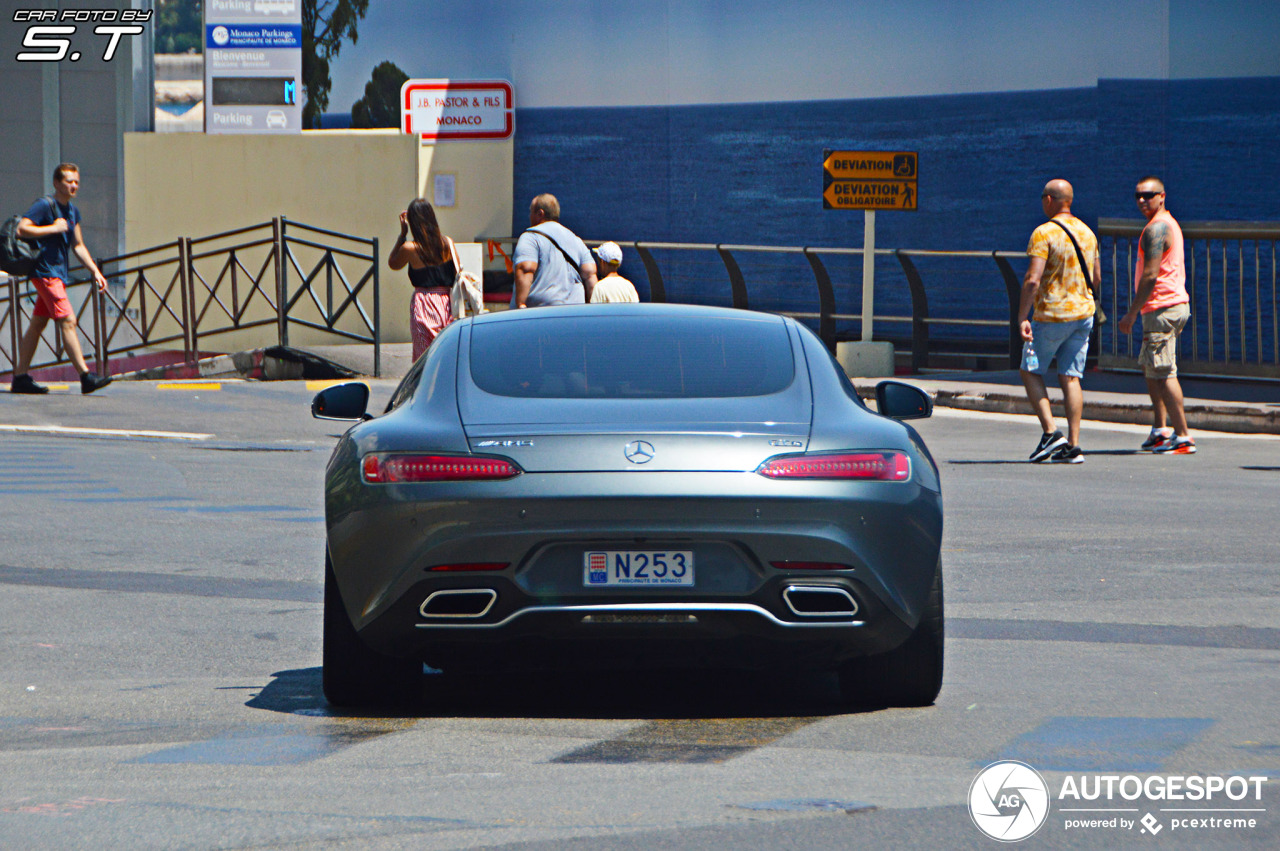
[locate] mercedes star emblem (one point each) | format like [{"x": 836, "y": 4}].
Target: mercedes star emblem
[{"x": 639, "y": 451}]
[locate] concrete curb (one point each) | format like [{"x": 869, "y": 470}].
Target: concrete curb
[
  {"x": 275, "y": 363},
  {"x": 217, "y": 366},
  {"x": 1234, "y": 417}
]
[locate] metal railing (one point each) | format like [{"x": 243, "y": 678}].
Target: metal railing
[
  {"x": 924, "y": 343},
  {"x": 179, "y": 295},
  {"x": 1231, "y": 279}
]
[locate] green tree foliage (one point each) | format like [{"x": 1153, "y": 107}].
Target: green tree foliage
[
  {"x": 380, "y": 106},
  {"x": 326, "y": 24},
  {"x": 178, "y": 25}
]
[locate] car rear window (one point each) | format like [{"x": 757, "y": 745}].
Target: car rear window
[{"x": 635, "y": 357}]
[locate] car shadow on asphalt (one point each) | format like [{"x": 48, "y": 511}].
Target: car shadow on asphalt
[{"x": 620, "y": 694}]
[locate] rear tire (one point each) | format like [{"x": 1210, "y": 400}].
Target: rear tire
[
  {"x": 909, "y": 675},
  {"x": 352, "y": 673}
]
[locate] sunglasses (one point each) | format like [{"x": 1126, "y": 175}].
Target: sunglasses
[{"x": 1146, "y": 196}]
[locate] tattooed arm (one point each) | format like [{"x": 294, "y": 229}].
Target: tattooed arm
[{"x": 1155, "y": 239}]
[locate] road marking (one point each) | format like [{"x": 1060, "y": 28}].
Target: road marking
[
  {"x": 702, "y": 740},
  {"x": 321, "y": 385},
  {"x": 1130, "y": 428},
  {"x": 69, "y": 431},
  {"x": 189, "y": 385},
  {"x": 1088, "y": 743}
]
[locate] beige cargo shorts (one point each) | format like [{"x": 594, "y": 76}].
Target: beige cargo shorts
[{"x": 1160, "y": 330}]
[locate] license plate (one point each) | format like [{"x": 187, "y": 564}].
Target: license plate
[{"x": 615, "y": 568}]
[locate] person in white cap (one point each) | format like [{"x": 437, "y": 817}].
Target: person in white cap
[{"x": 612, "y": 288}]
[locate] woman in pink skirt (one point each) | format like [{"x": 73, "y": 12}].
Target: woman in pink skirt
[{"x": 429, "y": 256}]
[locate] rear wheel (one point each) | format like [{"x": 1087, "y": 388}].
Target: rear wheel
[
  {"x": 909, "y": 675},
  {"x": 352, "y": 673}
]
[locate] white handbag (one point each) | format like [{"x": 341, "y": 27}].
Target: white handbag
[{"x": 466, "y": 297}]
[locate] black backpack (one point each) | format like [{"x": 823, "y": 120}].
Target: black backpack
[{"x": 18, "y": 256}]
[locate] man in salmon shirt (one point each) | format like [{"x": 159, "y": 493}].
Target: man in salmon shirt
[{"x": 1160, "y": 294}]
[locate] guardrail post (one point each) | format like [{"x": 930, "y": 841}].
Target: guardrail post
[
  {"x": 919, "y": 313},
  {"x": 99, "y": 328},
  {"x": 826, "y": 301},
  {"x": 1013, "y": 288},
  {"x": 377, "y": 315},
  {"x": 736, "y": 282},
  {"x": 14, "y": 314},
  {"x": 184, "y": 300},
  {"x": 277, "y": 249},
  {"x": 657, "y": 290},
  {"x": 195, "y": 311}
]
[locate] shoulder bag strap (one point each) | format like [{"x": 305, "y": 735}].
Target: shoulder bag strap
[
  {"x": 457, "y": 261},
  {"x": 1084, "y": 267},
  {"x": 573, "y": 264}
]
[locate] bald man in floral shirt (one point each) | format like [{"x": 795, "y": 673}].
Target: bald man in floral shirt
[{"x": 1062, "y": 295}]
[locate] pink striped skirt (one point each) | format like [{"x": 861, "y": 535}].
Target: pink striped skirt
[{"x": 428, "y": 314}]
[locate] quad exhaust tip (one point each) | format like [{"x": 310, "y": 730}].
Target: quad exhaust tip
[
  {"x": 819, "y": 601},
  {"x": 458, "y": 603}
]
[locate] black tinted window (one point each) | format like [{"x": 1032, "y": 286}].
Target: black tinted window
[{"x": 635, "y": 357}]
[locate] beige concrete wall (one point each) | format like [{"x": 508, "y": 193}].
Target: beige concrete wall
[
  {"x": 357, "y": 182},
  {"x": 483, "y": 179}
]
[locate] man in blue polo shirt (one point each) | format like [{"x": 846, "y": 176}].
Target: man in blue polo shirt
[
  {"x": 552, "y": 265},
  {"x": 55, "y": 224}
]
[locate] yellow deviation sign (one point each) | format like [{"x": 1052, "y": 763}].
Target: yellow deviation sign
[{"x": 870, "y": 180}]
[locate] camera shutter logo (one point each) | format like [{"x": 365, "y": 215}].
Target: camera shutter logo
[{"x": 1009, "y": 801}]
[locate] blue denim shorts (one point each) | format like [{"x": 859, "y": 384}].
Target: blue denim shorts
[{"x": 1066, "y": 342}]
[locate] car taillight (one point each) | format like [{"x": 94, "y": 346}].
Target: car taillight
[
  {"x": 870, "y": 466},
  {"x": 409, "y": 469}
]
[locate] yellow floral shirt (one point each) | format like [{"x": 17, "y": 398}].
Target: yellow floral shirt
[{"x": 1064, "y": 296}]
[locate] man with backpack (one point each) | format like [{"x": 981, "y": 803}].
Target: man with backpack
[{"x": 55, "y": 224}]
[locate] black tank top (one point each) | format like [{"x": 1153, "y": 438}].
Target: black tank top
[{"x": 433, "y": 277}]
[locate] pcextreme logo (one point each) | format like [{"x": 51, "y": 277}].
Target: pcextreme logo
[{"x": 1009, "y": 801}]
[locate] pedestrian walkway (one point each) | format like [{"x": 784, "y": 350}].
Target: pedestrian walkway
[
  {"x": 1240, "y": 405},
  {"x": 1229, "y": 404}
]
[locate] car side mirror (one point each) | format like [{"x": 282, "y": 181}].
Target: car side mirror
[
  {"x": 902, "y": 401},
  {"x": 342, "y": 402}
]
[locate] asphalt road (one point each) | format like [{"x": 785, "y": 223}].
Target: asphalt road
[{"x": 160, "y": 649}]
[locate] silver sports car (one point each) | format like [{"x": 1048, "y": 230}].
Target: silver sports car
[{"x": 631, "y": 485}]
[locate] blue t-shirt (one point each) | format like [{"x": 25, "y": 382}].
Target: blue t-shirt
[
  {"x": 555, "y": 282},
  {"x": 52, "y": 262}
]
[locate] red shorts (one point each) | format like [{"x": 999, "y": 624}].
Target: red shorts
[{"x": 51, "y": 299}]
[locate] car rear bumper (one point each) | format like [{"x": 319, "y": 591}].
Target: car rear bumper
[
  {"x": 885, "y": 536},
  {"x": 498, "y": 624}
]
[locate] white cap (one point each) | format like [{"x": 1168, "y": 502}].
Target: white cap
[{"x": 610, "y": 252}]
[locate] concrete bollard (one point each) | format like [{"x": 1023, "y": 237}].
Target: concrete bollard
[{"x": 866, "y": 359}]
